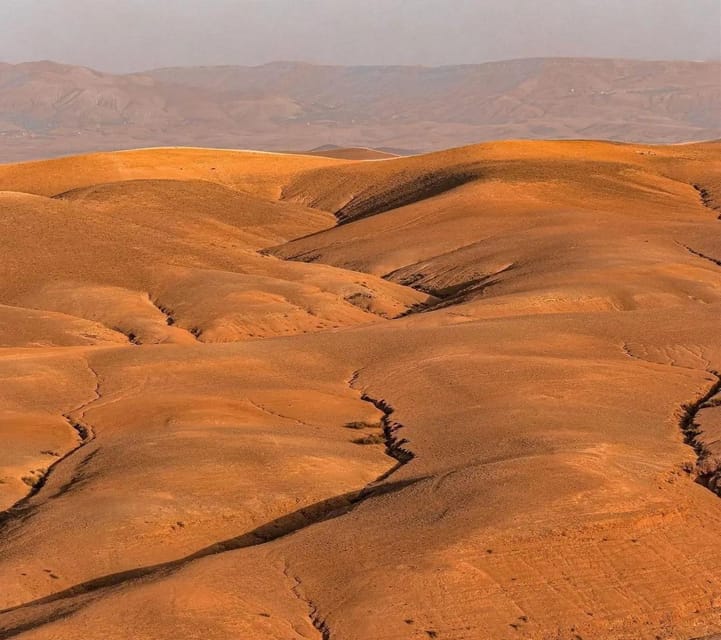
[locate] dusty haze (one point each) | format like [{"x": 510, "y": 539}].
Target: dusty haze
[
  {"x": 135, "y": 35},
  {"x": 47, "y": 109}
]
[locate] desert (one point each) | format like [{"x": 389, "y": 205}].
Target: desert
[
  {"x": 466, "y": 394},
  {"x": 380, "y": 320},
  {"x": 53, "y": 109}
]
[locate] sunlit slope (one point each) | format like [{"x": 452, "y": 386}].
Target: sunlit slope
[
  {"x": 549, "y": 476},
  {"x": 154, "y": 260},
  {"x": 512, "y": 432},
  {"x": 170, "y": 260},
  {"x": 550, "y": 226},
  {"x": 249, "y": 171}
]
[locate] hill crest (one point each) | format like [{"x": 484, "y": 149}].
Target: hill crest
[{"x": 49, "y": 109}]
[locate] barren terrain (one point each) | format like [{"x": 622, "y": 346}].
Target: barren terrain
[
  {"x": 466, "y": 395},
  {"x": 49, "y": 109}
]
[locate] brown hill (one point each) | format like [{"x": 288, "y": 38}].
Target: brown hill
[
  {"x": 50, "y": 109},
  {"x": 351, "y": 153},
  {"x": 468, "y": 395}
]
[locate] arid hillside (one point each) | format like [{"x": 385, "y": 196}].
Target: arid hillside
[
  {"x": 48, "y": 109},
  {"x": 468, "y": 395}
]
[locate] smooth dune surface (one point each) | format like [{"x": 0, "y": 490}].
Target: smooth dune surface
[{"x": 473, "y": 394}]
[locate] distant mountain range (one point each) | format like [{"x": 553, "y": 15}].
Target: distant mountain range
[{"x": 49, "y": 109}]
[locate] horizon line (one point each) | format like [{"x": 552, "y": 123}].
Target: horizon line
[{"x": 307, "y": 63}]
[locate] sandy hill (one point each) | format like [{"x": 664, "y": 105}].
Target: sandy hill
[
  {"x": 472, "y": 394},
  {"x": 50, "y": 109}
]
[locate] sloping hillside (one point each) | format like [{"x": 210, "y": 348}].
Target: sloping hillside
[{"x": 471, "y": 395}]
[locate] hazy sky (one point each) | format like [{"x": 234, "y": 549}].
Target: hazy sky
[{"x": 127, "y": 35}]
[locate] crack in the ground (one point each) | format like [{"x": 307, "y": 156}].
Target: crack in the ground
[
  {"x": 85, "y": 434},
  {"x": 708, "y": 471},
  {"x": 698, "y": 254},
  {"x": 130, "y": 335},
  {"x": 394, "y": 448},
  {"x": 331, "y": 508},
  {"x": 168, "y": 313},
  {"x": 456, "y": 295},
  {"x": 316, "y": 620},
  {"x": 170, "y": 319},
  {"x": 394, "y": 444},
  {"x": 627, "y": 351},
  {"x": 275, "y": 414},
  {"x": 447, "y": 296},
  {"x": 281, "y": 527},
  {"x": 23, "y": 507},
  {"x": 707, "y": 199}
]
